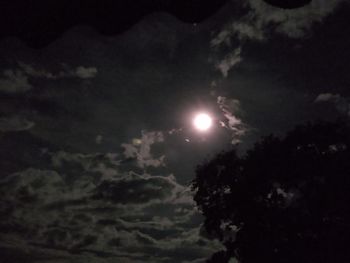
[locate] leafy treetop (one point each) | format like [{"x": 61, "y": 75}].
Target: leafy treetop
[{"x": 287, "y": 200}]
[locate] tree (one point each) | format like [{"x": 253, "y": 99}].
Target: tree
[{"x": 286, "y": 200}]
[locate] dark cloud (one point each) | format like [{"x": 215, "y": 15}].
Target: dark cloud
[
  {"x": 134, "y": 190},
  {"x": 140, "y": 149},
  {"x": 342, "y": 104},
  {"x": 13, "y": 81},
  {"x": 262, "y": 18},
  {"x": 15, "y": 123},
  {"x": 109, "y": 215}
]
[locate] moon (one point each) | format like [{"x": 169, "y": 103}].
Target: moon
[{"x": 202, "y": 122}]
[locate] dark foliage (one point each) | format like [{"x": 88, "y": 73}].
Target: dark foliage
[{"x": 287, "y": 200}]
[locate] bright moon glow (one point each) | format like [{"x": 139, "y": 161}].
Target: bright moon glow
[{"x": 202, "y": 122}]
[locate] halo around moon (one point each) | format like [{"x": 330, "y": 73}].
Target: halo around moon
[{"x": 202, "y": 122}]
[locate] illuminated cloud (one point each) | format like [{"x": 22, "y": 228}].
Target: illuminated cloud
[
  {"x": 140, "y": 149},
  {"x": 323, "y": 97},
  {"x": 229, "y": 61},
  {"x": 230, "y": 109}
]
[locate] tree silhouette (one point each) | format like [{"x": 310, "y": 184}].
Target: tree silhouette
[{"x": 287, "y": 200}]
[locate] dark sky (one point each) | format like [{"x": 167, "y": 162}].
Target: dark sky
[{"x": 97, "y": 145}]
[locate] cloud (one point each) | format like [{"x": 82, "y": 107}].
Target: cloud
[
  {"x": 323, "y": 97},
  {"x": 40, "y": 73},
  {"x": 86, "y": 72},
  {"x": 140, "y": 149},
  {"x": 119, "y": 217},
  {"x": 230, "y": 109},
  {"x": 135, "y": 188},
  {"x": 233, "y": 260},
  {"x": 17, "y": 80},
  {"x": 99, "y": 139},
  {"x": 259, "y": 21},
  {"x": 15, "y": 123},
  {"x": 79, "y": 72},
  {"x": 14, "y": 81},
  {"x": 262, "y": 18},
  {"x": 294, "y": 23},
  {"x": 342, "y": 103},
  {"x": 242, "y": 29},
  {"x": 106, "y": 165},
  {"x": 229, "y": 61}
]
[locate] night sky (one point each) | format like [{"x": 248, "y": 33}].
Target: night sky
[{"x": 97, "y": 144}]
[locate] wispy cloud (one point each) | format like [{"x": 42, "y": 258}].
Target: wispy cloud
[
  {"x": 341, "y": 103},
  {"x": 262, "y": 18},
  {"x": 14, "y": 81},
  {"x": 229, "y": 61},
  {"x": 294, "y": 23},
  {"x": 230, "y": 109},
  {"x": 66, "y": 72},
  {"x": 86, "y": 72},
  {"x": 18, "y": 80},
  {"x": 324, "y": 97},
  {"x": 15, "y": 123},
  {"x": 140, "y": 149},
  {"x": 259, "y": 22},
  {"x": 117, "y": 217}
]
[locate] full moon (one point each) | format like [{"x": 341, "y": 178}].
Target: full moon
[{"x": 202, "y": 121}]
